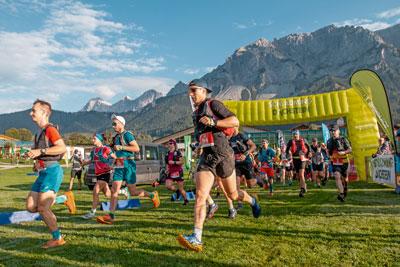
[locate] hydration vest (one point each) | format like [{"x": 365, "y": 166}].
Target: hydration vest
[{"x": 43, "y": 142}]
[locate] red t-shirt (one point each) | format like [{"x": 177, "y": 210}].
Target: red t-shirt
[
  {"x": 52, "y": 134},
  {"x": 96, "y": 155},
  {"x": 174, "y": 169}
]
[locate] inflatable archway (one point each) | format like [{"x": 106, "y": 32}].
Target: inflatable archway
[{"x": 362, "y": 123}]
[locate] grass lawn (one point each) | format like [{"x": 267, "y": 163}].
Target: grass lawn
[{"x": 316, "y": 230}]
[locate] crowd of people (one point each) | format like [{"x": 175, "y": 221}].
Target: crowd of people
[{"x": 227, "y": 160}]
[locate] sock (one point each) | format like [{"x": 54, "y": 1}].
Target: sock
[
  {"x": 94, "y": 211},
  {"x": 56, "y": 234},
  {"x": 112, "y": 215},
  {"x": 61, "y": 199},
  {"x": 198, "y": 233},
  {"x": 231, "y": 205},
  {"x": 271, "y": 187},
  {"x": 253, "y": 201},
  {"x": 210, "y": 202}
]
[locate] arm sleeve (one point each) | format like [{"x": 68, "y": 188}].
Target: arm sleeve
[
  {"x": 220, "y": 110},
  {"x": 52, "y": 134}
]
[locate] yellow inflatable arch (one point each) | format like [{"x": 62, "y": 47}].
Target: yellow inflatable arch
[{"x": 362, "y": 126}]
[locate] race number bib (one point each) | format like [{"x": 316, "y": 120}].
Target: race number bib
[
  {"x": 175, "y": 175},
  {"x": 119, "y": 163},
  {"x": 206, "y": 139},
  {"x": 39, "y": 166}
]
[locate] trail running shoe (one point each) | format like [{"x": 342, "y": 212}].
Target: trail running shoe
[
  {"x": 155, "y": 199},
  {"x": 256, "y": 209},
  {"x": 232, "y": 213},
  {"x": 190, "y": 242},
  {"x": 88, "y": 215},
  {"x": 212, "y": 209},
  {"x": 340, "y": 197},
  {"x": 106, "y": 219},
  {"x": 302, "y": 192},
  {"x": 52, "y": 243},
  {"x": 185, "y": 202},
  {"x": 70, "y": 202}
]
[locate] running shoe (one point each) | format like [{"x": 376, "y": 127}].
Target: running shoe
[
  {"x": 155, "y": 199},
  {"x": 185, "y": 202},
  {"x": 256, "y": 209},
  {"x": 232, "y": 213},
  {"x": 340, "y": 197},
  {"x": 70, "y": 202},
  {"x": 302, "y": 192},
  {"x": 88, "y": 215},
  {"x": 106, "y": 219},
  {"x": 212, "y": 209},
  {"x": 52, "y": 243},
  {"x": 190, "y": 242}
]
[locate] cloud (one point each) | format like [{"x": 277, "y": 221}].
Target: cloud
[
  {"x": 251, "y": 24},
  {"x": 197, "y": 71},
  {"x": 365, "y": 23},
  {"x": 76, "y": 47},
  {"x": 191, "y": 71},
  {"x": 389, "y": 13}
]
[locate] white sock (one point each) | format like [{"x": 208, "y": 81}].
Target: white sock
[
  {"x": 198, "y": 233},
  {"x": 94, "y": 211},
  {"x": 210, "y": 201}
]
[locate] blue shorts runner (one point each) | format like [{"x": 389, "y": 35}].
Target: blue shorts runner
[
  {"x": 49, "y": 179},
  {"x": 127, "y": 173}
]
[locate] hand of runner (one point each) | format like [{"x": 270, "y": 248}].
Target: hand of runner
[
  {"x": 118, "y": 147},
  {"x": 206, "y": 120},
  {"x": 34, "y": 153},
  {"x": 171, "y": 162}
]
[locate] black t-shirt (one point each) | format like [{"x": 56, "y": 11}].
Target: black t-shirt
[
  {"x": 339, "y": 144},
  {"x": 217, "y": 109}
]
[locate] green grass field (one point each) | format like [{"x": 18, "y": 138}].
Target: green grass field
[{"x": 313, "y": 231}]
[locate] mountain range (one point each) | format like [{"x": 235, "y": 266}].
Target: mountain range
[{"x": 296, "y": 64}]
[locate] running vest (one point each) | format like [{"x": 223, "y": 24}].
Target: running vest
[
  {"x": 294, "y": 146},
  {"x": 207, "y": 111},
  {"x": 43, "y": 142},
  {"x": 121, "y": 137},
  {"x": 336, "y": 145}
]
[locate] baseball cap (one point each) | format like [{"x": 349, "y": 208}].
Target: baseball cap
[
  {"x": 172, "y": 141},
  {"x": 200, "y": 83},
  {"x": 118, "y": 118},
  {"x": 334, "y": 128},
  {"x": 295, "y": 132},
  {"x": 314, "y": 140}
]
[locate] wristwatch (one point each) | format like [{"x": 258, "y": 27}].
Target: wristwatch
[
  {"x": 212, "y": 122},
  {"x": 43, "y": 151}
]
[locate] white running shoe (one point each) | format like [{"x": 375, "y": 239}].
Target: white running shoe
[{"x": 88, "y": 215}]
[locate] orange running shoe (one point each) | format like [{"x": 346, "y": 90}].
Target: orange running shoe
[
  {"x": 52, "y": 243},
  {"x": 155, "y": 199},
  {"x": 106, "y": 219},
  {"x": 70, "y": 202}
]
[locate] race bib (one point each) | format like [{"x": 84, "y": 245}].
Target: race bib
[
  {"x": 238, "y": 157},
  {"x": 175, "y": 175},
  {"x": 39, "y": 166},
  {"x": 119, "y": 163},
  {"x": 206, "y": 139}
]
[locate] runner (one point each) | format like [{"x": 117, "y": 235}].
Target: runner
[
  {"x": 339, "y": 148},
  {"x": 242, "y": 148},
  {"x": 212, "y": 120},
  {"x": 100, "y": 157},
  {"x": 76, "y": 170},
  {"x": 299, "y": 148},
  {"x": 286, "y": 166},
  {"x": 174, "y": 160},
  {"x": 266, "y": 157},
  {"x": 48, "y": 149},
  {"x": 317, "y": 159},
  {"x": 325, "y": 153},
  {"x": 125, "y": 145}
]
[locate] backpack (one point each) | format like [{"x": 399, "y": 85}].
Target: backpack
[{"x": 227, "y": 131}]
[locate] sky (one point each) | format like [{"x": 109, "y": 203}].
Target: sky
[{"x": 67, "y": 52}]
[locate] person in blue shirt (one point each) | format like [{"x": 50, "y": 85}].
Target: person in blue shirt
[
  {"x": 266, "y": 157},
  {"x": 125, "y": 146}
]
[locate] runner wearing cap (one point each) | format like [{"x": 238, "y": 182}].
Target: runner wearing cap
[
  {"x": 49, "y": 148},
  {"x": 124, "y": 145},
  {"x": 100, "y": 156},
  {"x": 339, "y": 148},
  {"x": 212, "y": 120},
  {"x": 266, "y": 158},
  {"x": 299, "y": 148},
  {"x": 317, "y": 161},
  {"x": 76, "y": 170},
  {"x": 174, "y": 161}
]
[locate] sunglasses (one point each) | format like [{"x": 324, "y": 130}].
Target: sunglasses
[
  {"x": 171, "y": 144},
  {"x": 114, "y": 124}
]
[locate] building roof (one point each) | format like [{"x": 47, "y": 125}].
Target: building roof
[
  {"x": 7, "y": 138},
  {"x": 165, "y": 139}
]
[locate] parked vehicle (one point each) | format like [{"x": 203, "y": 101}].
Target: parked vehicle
[{"x": 149, "y": 165}]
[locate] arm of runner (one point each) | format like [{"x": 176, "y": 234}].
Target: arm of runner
[
  {"x": 252, "y": 146},
  {"x": 227, "y": 118}
]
